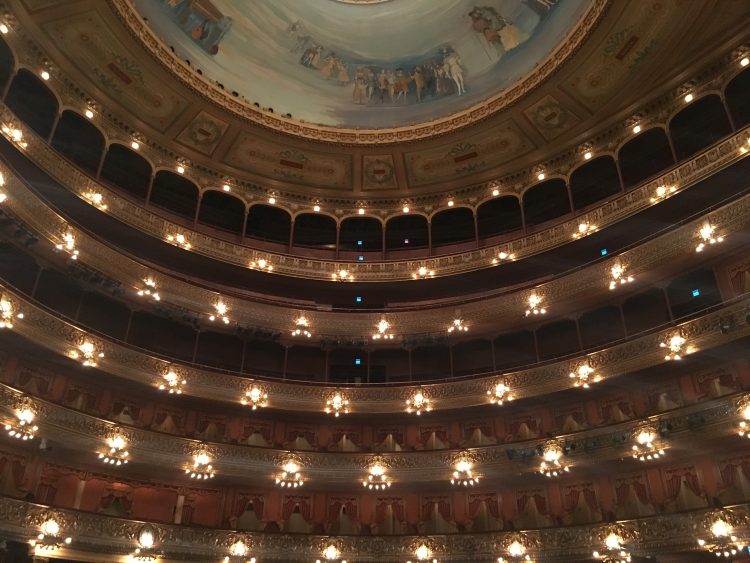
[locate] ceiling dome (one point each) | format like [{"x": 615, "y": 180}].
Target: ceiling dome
[{"x": 381, "y": 65}]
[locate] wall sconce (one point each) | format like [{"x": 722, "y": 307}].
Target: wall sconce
[
  {"x": 516, "y": 551},
  {"x": 290, "y": 476},
  {"x": 458, "y": 326},
  {"x": 535, "y": 307},
  {"x": 68, "y": 245},
  {"x": 376, "y": 479},
  {"x": 87, "y": 352},
  {"x": 149, "y": 289},
  {"x": 172, "y": 382},
  {"x": 584, "y": 229},
  {"x": 23, "y": 427},
  {"x": 552, "y": 466},
  {"x": 201, "y": 467},
  {"x": 613, "y": 551},
  {"x": 418, "y": 403},
  {"x": 255, "y": 397},
  {"x": 645, "y": 447},
  {"x": 331, "y": 553},
  {"x": 383, "y": 328},
  {"x": 221, "y": 312},
  {"x": 238, "y": 552},
  {"x": 8, "y": 313},
  {"x": 301, "y": 327},
  {"x": 49, "y": 539},
  {"x": 117, "y": 452},
  {"x": 723, "y": 541},
  {"x": 744, "y": 427},
  {"x": 146, "y": 539},
  {"x": 423, "y": 553},
  {"x": 499, "y": 393},
  {"x": 584, "y": 376},
  {"x": 463, "y": 474},
  {"x": 676, "y": 348},
  {"x": 262, "y": 264},
  {"x": 502, "y": 256},
  {"x": 337, "y": 405},
  {"x": 179, "y": 239},
  {"x": 96, "y": 199},
  {"x": 706, "y": 236},
  {"x": 422, "y": 273},
  {"x": 663, "y": 192},
  {"x": 15, "y": 135},
  {"x": 342, "y": 275},
  {"x": 618, "y": 276}
]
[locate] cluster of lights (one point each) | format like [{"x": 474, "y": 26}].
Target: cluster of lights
[
  {"x": 68, "y": 245},
  {"x": 458, "y": 326},
  {"x": 290, "y": 476},
  {"x": 618, "y": 276},
  {"x": 584, "y": 376},
  {"x": 238, "y": 551},
  {"x": 535, "y": 305},
  {"x": 96, "y": 199},
  {"x": 744, "y": 430},
  {"x": 584, "y": 229},
  {"x": 301, "y": 327},
  {"x": 172, "y": 382},
  {"x": 144, "y": 553},
  {"x": 645, "y": 448},
  {"x": 342, "y": 275},
  {"x": 502, "y": 256},
  {"x": 255, "y": 397},
  {"x": 707, "y": 235},
  {"x": 179, "y": 239},
  {"x": 49, "y": 539},
  {"x": 499, "y": 393},
  {"x": 552, "y": 466},
  {"x": 724, "y": 542},
  {"x": 383, "y": 333},
  {"x": 337, "y": 405},
  {"x": 262, "y": 265},
  {"x": 87, "y": 353},
  {"x": 516, "y": 552},
  {"x": 422, "y": 273},
  {"x": 676, "y": 348},
  {"x": 220, "y": 313},
  {"x": 418, "y": 404},
  {"x": 23, "y": 427},
  {"x": 376, "y": 480},
  {"x": 331, "y": 553},
  {"x": 201, "y": 468},
  {"x": 3, "y": 197},
  {"x": 8, "y": 313},
  {"x": 117, "y": 453},
  {"x": 463, "y": 475},
  {"x": 423, "y": 553},
  {"x": 613, "y": 551},
  {"x": 15, "y": 135},
  {"x": 149, "y": 290},
  {"x": 663, "y": 192}
]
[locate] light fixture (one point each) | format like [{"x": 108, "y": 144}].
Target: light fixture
[
  {"x": 422, "y": 273},
  {"x": 418, "y": 403},
  {"x": 584, "y": 376},
  {"x": 423, "y": 553},
  {"x": 49, "y": 539},
  {"x": 584, "y": 229},
  {"x": 256, "y": 397},
  {"x": 301, "y": 327},
  {"x": 23, "y": 427},
  {"x": 262, "y": 264},
  {"x": 676, "y": 347},
  {"x": 587, "y": 155},
  {"x": 87, "y": 352},
  {"x": 145, "y": 553},
  {"x": 68, "y": 245},
  {"x": 361, "y": 211},
  {"x": 636, "y": 129},
  {"x": 178, "y": 239},
  {"x": 201, "y": 467},
  {"x": 316, "y": 208},
  {"x": 535, "y": 307},
  {"x": 516, "y": 551},
  {"x": 331, "y": 553},
  {"x": 499, "y": 393},
  {"x": 541, "y": 176},
  {"x": 663, "y": 192},
  {"x": 8, "y": 313},
  {"x": 618, "y": 276},
  {"x": 4, "y": 28},
  {"x": 342, "y": 274},
  {"x": 613, "y": 551},
  {"x": 744, "y": 427},
  {"x": 180, "y": 169},
  {"x": 116, "y": 452},
  {"x": 645, "y": 447},
  {"x": 706, "y": 236},
  {"x": 89, "y": 114},
  {"x": 495, "y": 192},
  {"x": 723, "y": 541},
  {"x": 743, "y": 62},
  {"x": 149, "y": 289},
  {"x": 503, "y": 255},
  {"x": 135, "y": 145},
  {"x": 15, "y": 135},
  {"x": 238, "y": 551},
  {"x": 172, "y": 382},
  {"x": 457, "y": 326},
  {"x": 337, "y": 405},
  {"x": 226, "y": 188},
  {"x": 450, "y": 203},
  {"x": 44, "y": 74},
  {"x": 405, "y": 209},
  {"x": 376, "y": 479},
  {"x": 463, "y": 475},
  {"x": 272, "y": 200},
  {"x": 383, "y": 327},
  {"x": 96, "y": 199},
  {"x": 552, "y": 466},
  {"x": 220, "y": 312},
  {"x": 290, "y": 476}
]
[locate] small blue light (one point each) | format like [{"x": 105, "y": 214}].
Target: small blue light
[
  {"x": 359, "y": 243},
  {"x": 357, "y": 362},
  {"x": 696, "y": 292},
  {"x": 358, "y": 299},
  {"x": 361, "y": 258},
  {"x": 604, "y": 251}
]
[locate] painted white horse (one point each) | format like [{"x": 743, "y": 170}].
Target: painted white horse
[{"x": 454, "y": 71}]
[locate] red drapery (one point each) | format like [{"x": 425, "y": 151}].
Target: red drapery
[
  {"x": 334, "y": 509},
  {"x": 491, "y": 501},
  {"x": 295, "y": 504},
  {"x": 245, "y": 503},
  {"x": 541, "y": 502},
  {"x": 572, "y": 497},
  {"x": 705, "y": 382},
  {"x": 484, "y": 426},
  {"x": 308, "y": 435},
  {"x": 397, "y": 436},
  {"x": 264, "y": 431},
  {"x": 728, "y": 472},
  {"x": 397, "y": 508},
  {"x": 531, "y": 423},
  {"x": 624, "y": 407},
  {"x": 426, "y": 433},
  {"x": 638, "y": 487},
  {"x": 122, "y": 408},
  {"x": 338, "y": 434},
  {"x": 120, "y": 496},
  {"x": 443, "y": 508},
  {"x": 691, "y": 482}
]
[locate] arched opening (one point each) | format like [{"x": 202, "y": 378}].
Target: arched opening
[
  {"x": 104, "y": 314},
  {"x": 430, "y": 362},
  {"x": 737, "y": 95},
  {"x": 174, "y": 193},
  {"x": 557, "y": 339},
  {"x": 163, "y": 336},
  {"x": 698, "y": 126},
  {"x": 265, "y": 222},
  {"x": 406, "y": 231},
  {"x": 514, "y": 349},
  {"x": 693, "y": 292},
  {"x": 219, "y": 350},
  {"x": 79, "y": 140},
  {"x": 127, "y": 170},
  {"x": 7, "y": 64},
  {"x": 264, "y": 357},
  {"x": 59, "y": 292},
  {"x": 645, "y": 311},
  {"x": 361, "y": 233},
  {"x": 500, "y": 215},
  {"x": 347, "y": 365},
  {"x": 601, "y": 326},
  {"x": 546, "y": 201},
  {"x": 33, "y": 103},
  {"x": 17, "y": 268},
  {"x": 473, "y": 357},
  {"x": 306, "y": 363},
  {"x": 644, "y": 156},
  {"x": 594, "y": 181},
  {"x": 315, "y": 230},
  {"x": 389, "y": 365},
  {"x": 221, "y": 210},
  {"x": 452, "y": 226}
]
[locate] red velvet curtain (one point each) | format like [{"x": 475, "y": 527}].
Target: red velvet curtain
[
  {"x": 396, "y": 508},
  {"x": 264, "y": 431},
  {"x": 334, "y": 509},
  {"x": 691, "y": 482},
  {"x": 493, "y": 506},
  {"x": 541, "y": 503},
  {"x": 121, "y": 497},
  {"x": 244, "y": 502},
  {"x": 292, "y": 505},
  {"x": 531, "y": 423},
  {"x": 309, "y": 435},
  {"x": 440, "y": 434},
  {"x": 397, "y": 437},
  {"x": 443, "y": 508}
]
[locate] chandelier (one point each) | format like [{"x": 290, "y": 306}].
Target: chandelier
[
  {"x": 342, "y": 275},
  {"x": 96, "y": 199},
  {"x": 723, "y": 542},
  {"x": 516, "y": 551},
  {"x": 584, "y": 376},
  {"x": 178, "y": 239},
  {"x": 535, "y": 308},
  {"x": 552, "y": 466},
  {"x": 49, "y": 538},
  {"x": 262, "y": 264},
  {"x": 68, "y": 245},
  {"x": 238, "y": 552},
  {"x": 706, "y": 236},
  {"x": 422, "y": 273},
  {"x": 221, "y": 311},
  {"x": 144, "y": 553},
  {"x": 423, "y": 553},
  {"x": 8, "y": 313},
  {"x": 676, "y": 348},
  {"x": 301, "y": 327},
  {"x": 618, "y": 276},
  {"x": 383, "y": 328},
  {"x": 23, "y": 427},
  {"x": 337, "y": 405},
  {"x": 458, "y": 326},
  {"x": 376, "y": 479},
  {"x": 645, "y": 448},
  {"x": 499, "y": 393},
  {"x": 149, "y": 290},
  {"x": 331, "y": 553},
  {"x": 418, "y": 403},
  {"x": 290, "y": 475},
  {"x": 201, "y": 468},
  {"x": 662, "y": 192},
  {"x": 87, "y": 353},
  {"x": 744, "y": 429},
  {"x": 117, "y": 453},
  {"x": 463, "y": 475},
  {"x": 172, "y": 383},
  {"x": 255, "y": 397},
  {"x": 613, "y": 551},
  {"x": 584, "y": 229}
]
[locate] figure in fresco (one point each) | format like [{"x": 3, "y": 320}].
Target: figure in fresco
[
  {"x": 401, "y": 85},
  {"x": 372, "y": 83},
  {"x": 454, "y": 70},
  {"x": 329, "y": 66},
  {"x": 202, "y": 21},
  {"x": 419, "y": 82},
  {"x": 382, "y": 84},
  {"x": 343, "y": 72},
  {"x": 496, "y": 29},
  {"x": 359, "y": 95}
]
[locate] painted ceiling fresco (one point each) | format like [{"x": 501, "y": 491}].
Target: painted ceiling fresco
[{"x": 363, "y": 64}]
